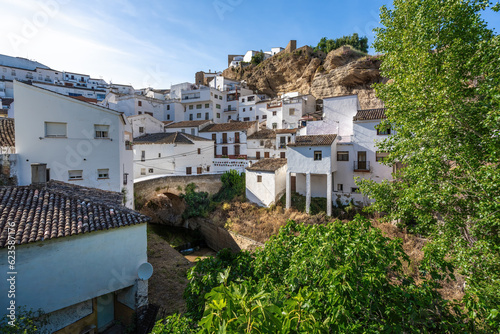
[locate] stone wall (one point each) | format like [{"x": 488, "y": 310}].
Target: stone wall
[
  {"x": 175, "y": 184},
  {"x": 8, "y": 175}
]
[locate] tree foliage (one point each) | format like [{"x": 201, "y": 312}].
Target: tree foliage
[
  {"x": 326, "y": 45},
  {"x": 443, "y": 101},
  {"x": 197, "y": 203},
  {"x": 233, "y": 184},
  {"x": 335, "y": 278},
  {"x": 258, "y": 58}
]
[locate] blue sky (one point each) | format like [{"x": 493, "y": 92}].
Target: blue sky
[{"x": 157, "y": 43}]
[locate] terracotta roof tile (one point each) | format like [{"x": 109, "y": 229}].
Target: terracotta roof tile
[
  {"x": 168, "y": 138},
  {"x": 369, "y": 114},
  {"x": 281, "y": 131},
  {"x": 231, "y": 126},
  {"x": 263, "y": 134},
  {"x": 314, "y": 140},
  {"x": 7, "y": 134},
  {"x": 43, "y": 213},
  {"x": 267, "y": 165},
  {"x": 186, "y": 124}
]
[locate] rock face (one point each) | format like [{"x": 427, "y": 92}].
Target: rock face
[
  {"x": 343, "y": 71},
  {"x": 165, "y": 208}
]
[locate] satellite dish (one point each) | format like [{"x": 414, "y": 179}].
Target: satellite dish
[{"x": 145, "y": 271}]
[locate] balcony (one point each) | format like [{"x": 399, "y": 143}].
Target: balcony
[
  {"x": 276, "y": 104},
  {"x": 362, "y": 166},
  {"x": 282, "y": 146},
  {"x": 229, "y": 109}
]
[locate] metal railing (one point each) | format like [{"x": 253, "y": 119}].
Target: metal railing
[{"x": 362, "y": 166}]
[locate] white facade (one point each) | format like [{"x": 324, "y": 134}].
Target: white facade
[
  {"x": 61, "y": 276},
  {"x": 265, "y": 188},
  {"x": 230, "y": 139},
  {"x": 249, "y": 109},
  {"x": 286, "y": 112},
  {"x": 180, "y": 158},
  {"x": 81, "y": 143},
  {"x": 145, "y": 124}
]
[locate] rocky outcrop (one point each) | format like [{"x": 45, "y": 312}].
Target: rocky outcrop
[
  {"x": 165, "y": 208},
  {"x": 343, "y": 71}
]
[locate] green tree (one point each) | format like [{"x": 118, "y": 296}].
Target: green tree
[
  {"x": 442, "y": 100},
  {"x": 258, "y": 58},
  {"x": 326, "y": 45}
]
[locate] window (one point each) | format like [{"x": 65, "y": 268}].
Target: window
[
  {"x": 150, "y": 170},
  {"x": 274, "y": 113},
  {"x": 191, "y": 107},
  {"x": 214, "y": 137},
  {"x": 251, "y": 108},
  {"x": 199, "y": 170},
  {"x": 198, "y": 115},
  {"x": 188, "y": 170},
  {"x": 282, "y": 155},
  {"x": 242, "y": 100},
  {"x": 193, "y": 131},
  {"x": 266, "y": 155},
  {"x": 218, "y": 115},
  {"x": 247, "y": 119},
  {"x": 75, "y": 174},
  {"x": 383, "y": 131},
  {"x": 243, "y": 109},
  {"x": 53, "y": 129},
  {"x": 140, "y": 112},
  {"x": 208, "y": 168},
  {"x": 224, "y": 137},
  {"x": 317, "y": 155},
  {"x": 342, "y": 155},
  {"x": 183, "y": 130},
  {"x": 257, "y": 117},
  {"x": 217, "y": 106},
  {"x": 206, "y": 116},
  {"x": 237, "y": 150},
  {"x": 101, "y": 131},
  {"x": 257, "y": 155},
  {"x": 168, "y": 107},
  {"x": 207, "y": 105},
  {"x": 168, "y": 117},
  {"x": 143, "y": 155},
  {"x": 139, "y": 103},
  {"x": 216, "y": 96},
  {"x": 264, "y": 116},
  {"x": 275, "y": 126},
  {"x": 291, "y": 111},
  {"x": 198, "y": 106},
  {"x": 355, "y": 190},
  {"x": 141, "y": 129},
  {"x": 220, "y": 97},
  {"x": 103, "y": 173},
  {"x": 159, "y": 155},
  {"x": 380, "y": 156},
  {"x": 259, "y": 178},
  {"x": 224, "y": 151},
  {"x": 340, "y": 187},
  {"x": 143, "y": 171},
  {"x": 190, "y": 117},
  {"x": 229, "y": 117},
  {"x": 199, "y": 151}
]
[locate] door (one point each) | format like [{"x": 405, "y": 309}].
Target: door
[
  {"x": 224, "y": 137},
  {"x": 362, "y": 160},
  {"x": 236, "y": 150},
  {"x": 105, "y": 310},
  {"x": 266, "y": 154},
  {"x": 282, "y": 155},
  {"x": 257, "y": 155},
  {"x": 236, "y": 137},
  {"x": 224, "y": 151}
]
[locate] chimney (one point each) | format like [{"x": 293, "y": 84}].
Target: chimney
[{"x": 39, "y": 174}]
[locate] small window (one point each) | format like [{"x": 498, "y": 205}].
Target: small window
[
  {"x": 266, "y": 155},
  {"x": 150, "y": 171},
  {"x": 207, "y": 105},
  {"x": 190, "y": 117},
  {"x": 220, "y": 97},
  {"x": 193, "y": 131},
  {"x": 159, "y": 155},
  {"x": 139, "y": 103},
  {"x": 188, "y": 170},
  {"x": 283, "y": 155},
  {"x": 251, "y": 108},
  {"x": 274, "y": 113},
  {"x": 218, "y": 115},
  {"x": 216, "y": 96},
  {"x": 275, "y": 126},
  {"x": 264, "y": 116},
  {"x": 243, "y": 109},
  {"x": 318, "y": 155},
  {"x": 75, "y": 174},
  {"x": 291, "y": 111},
  {"x": 191, "y": 107},
  {"x": 259, "y": 178},
  {"x": 141, "y": 129},
  {"x": 53, "y": 129},
  {"x": 199, "y": 151},
  {"x": 168, "y": 116},
  {"x": 246, "y": 119},
  {"x": 380, "y": 156},
  {"x": 217, "y": 106},
  {"x": 340, "y": 187},
  {"x": 355, "y": 190},
  {"x": 208, "y": 168},
  {"x": 143, "y": 155},
  {"x": 342, "y": 155},
  {"x": 103, "y": 173},
  {"x": 199, "y": 170},
  {"x": 206, "y": 116},
  {"x": 198, "y": 106},
  {"x": 242, "y": 100},
  {"x": 183, "y": 130},
  {"x": 257, "y": 117},
  {"x": 168, "y": 107},
  {"x": 143, "y": 171},
  {"x": 198, "y": 115},
  {"x": 101, "y": 131}
]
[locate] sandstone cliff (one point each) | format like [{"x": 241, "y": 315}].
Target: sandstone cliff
[{"x": 343, "y": 71}]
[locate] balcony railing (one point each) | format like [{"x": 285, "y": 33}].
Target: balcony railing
[
  {"x": 230, "y": 109},
  {"x": 361, "y": 166},
  {"x": 274, "y": 105}
]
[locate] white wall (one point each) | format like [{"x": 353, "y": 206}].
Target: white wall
[
  {"x": 342, "y": 110},
  {"x": 80, "y": 150},
  {"x": 301, "y": 159},
  {"x": 54, "y": 274},
  {"x": 264, "y": 193},
  {"x": 147, "y": 122}
]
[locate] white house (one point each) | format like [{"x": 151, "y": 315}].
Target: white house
[
  {"x": 266, "y": 181},
  {"x": 312, "y": 159},
  {"x": 145, "y": 124},
  {"x": 267, "y": 143},
  {"x": 77, "y": 256},
  {"x": 191, "y": 127},
  {"x": 172, "y": 153},
  {"x": 230, "y": 138},
  {"x": 249, "y": 110},
  {"x": 285, "y": 112},
  {"x": 80, "y": 143}
]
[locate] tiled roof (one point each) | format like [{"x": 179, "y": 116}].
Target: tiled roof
[
  {"x": 231, "y": 126},
  {"x": 168, "y": 138},
  {"x": 7, "y": 137},
  {"x": 267, "y": 165},
  {"x": 282, "y": 131},
  {"x": 369, "y": 114},
  {"x": 314, "y": 140},
  {"x": 40, "y": 214},
  {"x": 263, "y": 134},
  {"x": 186, "y": 124},
  {"x": 85, "y": 99}
]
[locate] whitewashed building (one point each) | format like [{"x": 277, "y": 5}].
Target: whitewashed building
[
  {"x": 249, "y": 110},
  {"x": 266, "y": 181},
  {"x": 78, "y": 142},
  {"x": 77, "y": 256},
  {"x": 145, "y": 124},
  {"x": 190, "y": 127},
  {"x": 230, "y": 138},
  {"x": 285, "y": 112},
  {"x": 312, "y": 160},
  {"x": 172, "y": 153},
  {"x": 267, "y": 143}
]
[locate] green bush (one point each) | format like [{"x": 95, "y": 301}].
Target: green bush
[
  {"x": 326, "y": 45},
  {"x": 233, "y": 184},
  {"x": 197, "y": 203}
]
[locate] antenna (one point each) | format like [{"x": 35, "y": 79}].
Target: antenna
[{"x": 145, "y": 271}]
